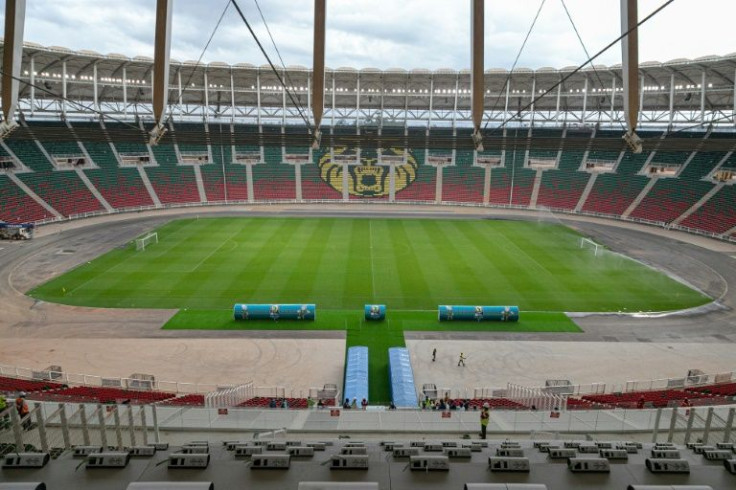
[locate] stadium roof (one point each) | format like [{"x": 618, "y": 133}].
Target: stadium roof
[{"x": 397, "y": 88}]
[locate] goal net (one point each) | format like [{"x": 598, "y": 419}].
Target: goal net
[
  {"x": 142, "y": 243},
  {"x": 590, "y": 244}
]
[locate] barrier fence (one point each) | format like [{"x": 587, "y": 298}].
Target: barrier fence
[
  {"x": 692, "y": 380},
  {"x": 59, "y": 425}
]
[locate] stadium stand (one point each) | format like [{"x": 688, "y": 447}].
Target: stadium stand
[
  {"x": 728, "y": 389},
  {"x": 267, "y": 402},
  {"x": 657, "y": 399},
  {"x": 671, "y": 198},
  {"x": 313, "y": 187},
  {"x": 613, "y": 193},
  {"x": 273, "y": 180},
  {"x": 716, "y": 215},
  {"x": 463, "y": 182},
  {"x": 121, "y": 187},
  {"x": 61, "y": 189},
  {"x": 190, "y": 400},
  {"x": 18, "y": 207},
  {"x": 90, "y": 394},
  {"x": 172, "y": 182},
  {"x": 562, "y": 187},
  {"x": 14, "y": 385}
]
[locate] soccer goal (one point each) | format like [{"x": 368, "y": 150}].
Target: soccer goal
[
  {"x": 142, "y": 243},
  {"x": 588, "y": 243}
]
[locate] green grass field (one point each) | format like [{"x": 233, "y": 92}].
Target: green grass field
[{"x": 203, "y": 266}]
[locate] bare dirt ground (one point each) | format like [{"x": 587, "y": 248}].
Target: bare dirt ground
[{"x": 118, "y": 342}]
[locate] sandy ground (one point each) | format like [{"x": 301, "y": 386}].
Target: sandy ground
[{"x": 117, "y": 343}]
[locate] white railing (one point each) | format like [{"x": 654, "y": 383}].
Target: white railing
[
  {"x": 59, "y": 377},
  {"x": 229, "y": 397}
]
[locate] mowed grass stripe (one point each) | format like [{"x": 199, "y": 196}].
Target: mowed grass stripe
[
  {"x": 334, "y": 287},
  {"x": 456, "y": 270},
  {"x": 414, "y": 288},
  {"x": 307, "y": 264}
]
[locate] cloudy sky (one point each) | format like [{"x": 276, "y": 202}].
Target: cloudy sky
[{"x": 387, "y": 33}]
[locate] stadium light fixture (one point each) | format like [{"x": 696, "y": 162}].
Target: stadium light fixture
[
  {"x": 158, "y": 132},
  {"x": 633, "y": 141}
]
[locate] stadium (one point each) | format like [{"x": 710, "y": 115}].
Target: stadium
[{"x": 212, "y": 268}]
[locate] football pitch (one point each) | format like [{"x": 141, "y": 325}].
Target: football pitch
[
  {"x": 342, "y": 264},
  {"x": 203, "y": 266}
]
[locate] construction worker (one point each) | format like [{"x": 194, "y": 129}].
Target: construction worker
[
  {"x": 22, "y": 407},
  {"x": 5, "y": 419},
  {"x": 462, "y": 360}
]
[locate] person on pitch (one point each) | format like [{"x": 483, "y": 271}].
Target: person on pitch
[{"x": 461, "y": 362}]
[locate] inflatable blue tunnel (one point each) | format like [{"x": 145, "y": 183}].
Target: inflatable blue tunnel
[
  {"x": 448, "y": 313},
  {"x": 281, "y": 311}
]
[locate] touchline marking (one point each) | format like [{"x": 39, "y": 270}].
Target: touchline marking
[{"x": 230, "y": 238}]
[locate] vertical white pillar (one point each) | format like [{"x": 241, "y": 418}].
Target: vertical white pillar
[
  {"x": 585, "y": 101},
  {"x": 702, "y": 97},
  {"x": 33, "y": 85},
  {"x": 283, "y": 99},
  {"x": 431, "y": 99},
  {"x": 95, "y": 102},
  {"x": 298, "y": 181},
  {"x": 454, "y": 108},
  {"x": 181, "y": 91},
  {"x": 392, "y": 183},
  {"x": 206, "y": 96},
  {"x": 531, "y": 106},
  {"x": 438, "y": 186},
  {"x": 63, "y": 88},
  {"x": 125, "y": 92},
  {"x": 357, "y": 102},
  {"x": 258, "y": 98},
  {"x": 232, "y": 97},
  {"x": 613, "y": 97},
  {"x": 672, "y": 99},
  {"x": 333, "y": 98},
  {"x": 641, "y": 101}
]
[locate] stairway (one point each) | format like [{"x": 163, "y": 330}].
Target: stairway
[
  {"x": 586, "y": 192},
  {"x": 697, "y": 205},
  {"x": 535, "y": 189},
  {"x": 200, "y": 183},
  {"x": 149, "y": 187},
  {"x": 93, "y": 189},
  {"x": 33, "y": 195}
]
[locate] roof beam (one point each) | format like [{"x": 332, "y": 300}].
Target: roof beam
[
  {"x": 161, "y": 54},
  {"x": 477, "y": 77},
  {"x": 630, "y": 68},
  {"x": 318, "y": 69},
  {"x": 15, "y": 14}
]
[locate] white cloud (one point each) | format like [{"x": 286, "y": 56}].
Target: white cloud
[{"x": 385, "y": 33}]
